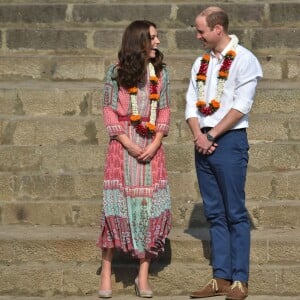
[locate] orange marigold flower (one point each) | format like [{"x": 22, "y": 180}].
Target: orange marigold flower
[
  {"x": 133, "y": 90},
  {"x": 200, "y": 103},
  {"x": 231, "y": 53},
  {"x": 135, "y": 118},
  {"x": 223, "y": 74},
  {"x": 215, "y": 104},
  {"x": 154, "y": 97},
  {"x": 206, "y": 57},
  {"x": 151, "y": 127},
  {"x": 201, "y": 77},
  {"x": 153, "y": 79}
]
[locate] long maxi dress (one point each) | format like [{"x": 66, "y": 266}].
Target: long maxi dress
[{"x": 136, "y": 215}]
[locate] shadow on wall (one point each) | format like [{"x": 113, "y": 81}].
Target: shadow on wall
[
  {"x": 198, "y": 227},
  {"x": 125, "y": 268}
]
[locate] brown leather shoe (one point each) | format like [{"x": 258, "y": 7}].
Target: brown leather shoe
[
  {"x": 237, "y": 291},
  {"x": 215, "y": 287}
]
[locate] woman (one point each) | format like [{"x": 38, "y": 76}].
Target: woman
[{"x": 136, "y": 200}]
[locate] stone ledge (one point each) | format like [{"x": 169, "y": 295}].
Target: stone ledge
[
  {"x": 70, "y": 244},
  {"x": 187, "y": 211},
  {"x": 166, "y": 278}
]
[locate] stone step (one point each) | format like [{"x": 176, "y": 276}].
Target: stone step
[
  {"x": 73, "y": 244},
  {"x": 186, "y": 211},
  {"x": 251, "y": 13},
  {"x": 264, "y": 156},
  {"x": 90, "y": 130},
  {"x": 132, "y": 296},
  {"x": 65, "y": 260},
  {"x": 68, "y": 98},
  {"x": 107, "y": 40},
  {"x": 38, "y": 279},
  {"x": 59, "y": 185},
  {"x": 93, "y": 67}
]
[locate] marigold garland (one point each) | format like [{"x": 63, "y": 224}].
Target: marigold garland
[
  {"x": 214, "y": 104},
  {"x": 135, "y": 117}
]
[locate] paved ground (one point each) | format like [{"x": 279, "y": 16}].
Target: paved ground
[{"x": 132, "y": 297}]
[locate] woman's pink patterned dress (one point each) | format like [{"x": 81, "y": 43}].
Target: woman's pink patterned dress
[{"x": 136, "y": 199}]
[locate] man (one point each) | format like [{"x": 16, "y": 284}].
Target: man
[{"x": 219, "y": 98}]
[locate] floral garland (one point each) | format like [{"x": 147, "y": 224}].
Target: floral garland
[
  {"x": 214, "y": 104},
  {"x": 135, "y": 117}
]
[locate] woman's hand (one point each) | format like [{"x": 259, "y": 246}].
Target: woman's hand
[
  {"x": 151, "y": 149},
  {"x": 134, "y": 150},
  {"x": 149, "y": 152}
]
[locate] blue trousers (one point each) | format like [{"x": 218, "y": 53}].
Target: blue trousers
[{"x": 221, "y": 177}]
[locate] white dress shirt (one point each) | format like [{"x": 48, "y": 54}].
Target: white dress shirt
[{"x": 239, "y": 88}]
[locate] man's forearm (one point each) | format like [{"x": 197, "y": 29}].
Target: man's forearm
[{"x": 230, "y": 119}]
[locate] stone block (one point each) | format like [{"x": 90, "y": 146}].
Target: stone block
[
  {"x": 28, "y": 159},
  {"x": 52, "y": 67},
  {"x": 284, "y": 13},
  {"x": 294, "y": 126},
  {"x": 10, "y": 102},
  {"x": 30, "y": 281},
  {"x": 46, "y": 39},
  {"x": 107, "y": 39},
  {"x": 184, "y": 64},
  {"x": 96, "y": 101},
  {"x": 274, "y": 157},
  {"x": 53, "y": 159},
  {"x": 78, "y": 68},
  {"x": 272, "y": 69},
  {"x": 29, "y": 13},
  {"x": 49, "y": 213},
  {"x": 22, "y": 67},
  {"x": 55, "y": 101},
  {"x": 270, "y": 280},
  {"x": 124, "y": 13},
  {"x": 286, "y": 186},
  {"x": 78, "y": 158},
  {"x": 276, "y": 38},
  {"x": 179, "y": 130},
  {"x": 239, "y": 13},
  {"x": 259, "y": 186},
  {"x": 293, "y": 69},
  {"x": 31, "y": 213},
  {"x": 185, "y": 40},
  {"x": 101, "y": 131},
  {"x": 6, "y": 187},
  {"x": 283, "y": 251},
  {"x": 178, "y": 92},
  {"x": 277, "y": 215},
  {"x": 89, "y": 186},
  {"x": 43, "y": 186},
  {"x": 268, "y": 100},
  {"x": 180, "y": 157},
  {"x": 269, "y": 128},
  {"x": 45, "y": 131}
]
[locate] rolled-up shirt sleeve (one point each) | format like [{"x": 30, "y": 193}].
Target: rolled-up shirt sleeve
[{"x": 249, "y": 74}]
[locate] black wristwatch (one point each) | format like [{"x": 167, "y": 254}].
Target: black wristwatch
[{"x": 210, "y": 137}]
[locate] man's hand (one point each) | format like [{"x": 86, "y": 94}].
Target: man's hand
[{"x": 203, "y": 145}]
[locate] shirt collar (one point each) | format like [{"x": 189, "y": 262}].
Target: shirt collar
[{"x": 231, "y": 45}]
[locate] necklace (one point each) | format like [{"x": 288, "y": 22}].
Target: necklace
[
  {"x": 135, "y": 117},
  {"x": 214, "y": 104}
]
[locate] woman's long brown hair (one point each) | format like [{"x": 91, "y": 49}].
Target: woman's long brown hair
[{"x": 134, "y": 54}]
